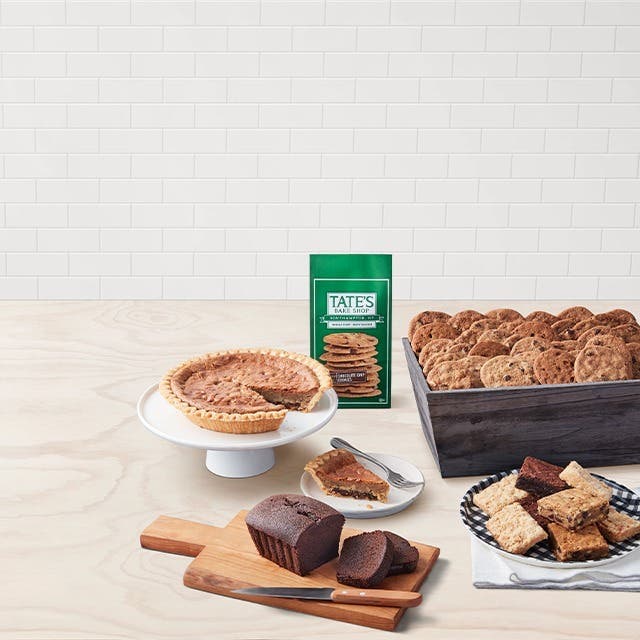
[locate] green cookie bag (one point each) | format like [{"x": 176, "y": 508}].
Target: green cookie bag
[{"x": 350, "y": 301}]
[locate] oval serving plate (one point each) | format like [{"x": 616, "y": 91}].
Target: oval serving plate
[{"x": 540, "y": 555}]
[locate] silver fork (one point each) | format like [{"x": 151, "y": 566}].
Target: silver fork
[{"x": 394, "y": 478}]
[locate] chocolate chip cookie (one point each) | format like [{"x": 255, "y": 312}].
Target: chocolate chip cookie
[{"x": 507, "y": 371}]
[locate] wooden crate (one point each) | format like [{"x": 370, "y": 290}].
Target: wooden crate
[{"x": 483, "y": 431}]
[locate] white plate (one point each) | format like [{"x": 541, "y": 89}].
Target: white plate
[
  {"x": 399, "y": 499},
  {"x": 157, "y": 415}
]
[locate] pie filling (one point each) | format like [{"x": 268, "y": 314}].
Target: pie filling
[
  {"x": 246, "y": 383},
  {"x": 358, "y": 495}
]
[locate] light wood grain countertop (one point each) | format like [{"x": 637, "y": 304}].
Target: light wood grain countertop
[{"x": 80, "y": 478}]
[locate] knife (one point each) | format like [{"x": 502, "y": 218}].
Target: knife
[{"x": 378, "y": 597}]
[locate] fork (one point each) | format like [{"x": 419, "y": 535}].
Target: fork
[{"x": 394, "y": 478}]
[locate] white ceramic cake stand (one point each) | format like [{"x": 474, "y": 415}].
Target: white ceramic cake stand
[{"x": 229, "y": 454}]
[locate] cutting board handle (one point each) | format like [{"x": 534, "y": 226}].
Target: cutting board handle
[{"x": 174, "y": 535}]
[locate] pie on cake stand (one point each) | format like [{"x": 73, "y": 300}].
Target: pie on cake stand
[{"x": 239, "y": 405}]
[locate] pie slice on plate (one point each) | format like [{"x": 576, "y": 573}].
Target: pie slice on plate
[
  {"x": 245, "y": 390},
  {"x": 338, "y": 473}
]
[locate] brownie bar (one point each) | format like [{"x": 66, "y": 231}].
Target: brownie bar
[
  {"x": 617, "y": 526},
  {"x": 514, "y": 529},
  {"x": 585, "y": 544},
  {"x": 540, "y": 477},
  {"x": 573, "y": 508},
  {"x": 499, "y": 495},
  {"x": 530, "y": 505}
]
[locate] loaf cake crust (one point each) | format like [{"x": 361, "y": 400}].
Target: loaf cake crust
[{"x": 295, "y": 531}]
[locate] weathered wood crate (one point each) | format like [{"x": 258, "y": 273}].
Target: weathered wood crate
[{"x": 483, "y": 431}]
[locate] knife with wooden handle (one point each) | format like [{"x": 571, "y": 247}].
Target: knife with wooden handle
[{"x": 377, "y": 597}]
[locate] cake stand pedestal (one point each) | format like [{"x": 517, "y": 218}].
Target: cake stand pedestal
[{"x": 228, "y": 454}]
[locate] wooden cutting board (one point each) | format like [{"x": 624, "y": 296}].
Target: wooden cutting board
[{"x": 226, "y": 559}]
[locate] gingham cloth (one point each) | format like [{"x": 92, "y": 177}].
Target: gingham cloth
[{"x": 492, "y": 571}]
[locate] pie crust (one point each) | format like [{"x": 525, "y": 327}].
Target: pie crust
[
  {"x": 246, "y": 410},
  {"x": 338, "y": 473}
]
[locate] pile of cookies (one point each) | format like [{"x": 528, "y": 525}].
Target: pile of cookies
[
  {"x": 352, "y": 363},
  {"x": 566, "y": 506},
  {"x": 503, "y": 348}
]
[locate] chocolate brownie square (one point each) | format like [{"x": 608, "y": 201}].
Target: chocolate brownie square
[
  {"x": 540, "y": 477},
  {"x": 530, "y": 505},
  {"x": 585, "y": 544}
]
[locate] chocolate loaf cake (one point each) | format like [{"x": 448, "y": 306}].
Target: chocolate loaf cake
[
  {"x": 405, "y": 556},
  {"x": 365, "y": 559},
  {"x": 294, "y": 531}
]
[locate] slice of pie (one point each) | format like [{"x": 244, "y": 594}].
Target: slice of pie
[
  {"x": 338, "y": 473},
  {"x": 245, "y": 390}
]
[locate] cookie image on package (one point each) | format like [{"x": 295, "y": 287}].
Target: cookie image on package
[
  {"x": 355, "y": 373},
  {"x": 350, "y": 339}
]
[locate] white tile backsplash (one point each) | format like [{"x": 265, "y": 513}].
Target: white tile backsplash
[{"x": 201, "y": 148}]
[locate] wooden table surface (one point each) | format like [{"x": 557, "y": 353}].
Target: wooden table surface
[{"x": 80, "y": 478}]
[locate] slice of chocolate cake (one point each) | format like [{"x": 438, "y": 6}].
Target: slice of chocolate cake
[
  {"x": 539, "y": 477},
  {"x": 365, "y": 559},
  {"x": 530, "y": 505},
  {"x": 294, "y": 531},
  {"x": 405, "y": 556}
]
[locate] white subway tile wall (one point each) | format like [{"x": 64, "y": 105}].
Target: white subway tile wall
[{"x": 201, "y": 148}]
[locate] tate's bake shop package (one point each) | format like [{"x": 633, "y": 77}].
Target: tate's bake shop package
[
  {"x": 494, "y": 385},
  {"x": 350, "y": 300}
]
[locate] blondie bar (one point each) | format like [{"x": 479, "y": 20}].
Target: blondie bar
[
  {"x": 499, "y": 495},
  {"x": 617, "y": 526},
  {"x": 579, "y": 478},
  {"x": 573, "y": 508},
  {"x": 514, "y": 529},
  {"x": 585, "y": 544}
]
